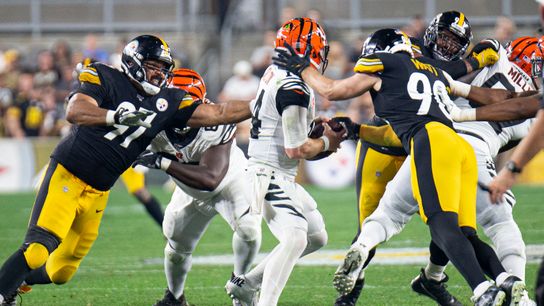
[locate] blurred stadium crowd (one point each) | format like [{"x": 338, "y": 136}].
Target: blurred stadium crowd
[{"x": 35, "y": 83}]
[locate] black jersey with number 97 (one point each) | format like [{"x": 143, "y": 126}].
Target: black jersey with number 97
[{"x": 100, "y": 154}]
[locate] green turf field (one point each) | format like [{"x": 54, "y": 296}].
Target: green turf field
[{"x": 117, "y": 272}]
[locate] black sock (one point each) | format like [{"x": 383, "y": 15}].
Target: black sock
[
  {"x": 38, "y": 276},
  {"x": 539, "y": 288},
  {"x": 438, "y": 257},
  {"x": 13, "y": 273},
  {"x": 153, "y": 208},
  {"x": 446, "y": 233},
  {"x": 488, "y": 259}
]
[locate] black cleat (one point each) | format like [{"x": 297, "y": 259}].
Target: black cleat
[
  {"x": 351, "y": 298},
  {"x": 170, "y": 300},
  {"x": 435, "y": 290},
  {"x": 493, "y": 296},
  {"x": 514, "y": 287}
]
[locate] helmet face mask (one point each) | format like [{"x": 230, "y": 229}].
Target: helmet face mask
[
  {"x": 303, "y": 33},
  {"x": 387, "y": 41},
  {"x": 141, "y": 60},
  {"x": 448, "y": 35},
  {"x": 537, "y": 60}
]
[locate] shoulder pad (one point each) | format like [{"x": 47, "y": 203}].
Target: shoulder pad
[
  {"x": 369, "y": 64},
  {"x": 89, "y": 74},
  {"x": 293, "y": 82}
]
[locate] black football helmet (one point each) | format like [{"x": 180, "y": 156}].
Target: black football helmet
[
  {"x": 387, "y": 40},
  {"x": 454, "y": 32},
  {"x": 141, "y": 49}
]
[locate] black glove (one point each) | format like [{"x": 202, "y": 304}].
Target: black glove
[
  {"x": 290, "y": 60},
  {"x": 351, "y": 127},
  {"x": 152, "y": 160}
]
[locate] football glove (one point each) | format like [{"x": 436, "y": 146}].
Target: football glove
[
  {"x": 286, "y": 58},
  {"x": 351, "y": 127},
  {"x": 152, "y": 160},
  {"x": 123, "y": 116},
  {"x": 485, "y": 53}
]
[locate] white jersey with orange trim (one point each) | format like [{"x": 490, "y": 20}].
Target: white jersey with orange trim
[
  {"x": 190, "y": 147},
  {"x": 278, "y": 90},
  {"x": 505, "y": 75}
]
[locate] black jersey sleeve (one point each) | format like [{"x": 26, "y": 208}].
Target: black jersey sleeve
[
  {"x": 370, "y": 64},
  {"x": 185, "y": 110},
  {"x": 92, "y": 84},
  {"x": 292, "y": 92},
  {"x": 455, "y": 69}
]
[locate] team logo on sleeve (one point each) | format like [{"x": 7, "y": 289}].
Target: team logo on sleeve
[{"x": 162, "y": 105}]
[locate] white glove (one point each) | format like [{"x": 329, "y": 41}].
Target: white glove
[{"x": 130, "y": 118}]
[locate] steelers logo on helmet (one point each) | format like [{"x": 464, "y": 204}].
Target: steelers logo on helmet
[
  {"x": 141, "y": 51},
  {"x": 387, "y": 40},
  {"x": 305, "y": 35},
  {"x": 448, "y": 35}
]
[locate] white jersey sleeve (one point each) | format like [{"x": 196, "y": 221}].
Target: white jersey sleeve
[
  {"x": 505, "y": 75},
  {"x": 278, "y": 89}
]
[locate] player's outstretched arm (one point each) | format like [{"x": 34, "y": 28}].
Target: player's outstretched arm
[
  {"x": 207, "y": 175},
  {"x": 209, "y": 114},
  {"x": 84, "y": 110},
  {"x": 511, "y": 109},
  {"x": 378, "y": 135}
]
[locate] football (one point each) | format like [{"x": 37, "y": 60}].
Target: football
[{"x": 317, "y": 131}]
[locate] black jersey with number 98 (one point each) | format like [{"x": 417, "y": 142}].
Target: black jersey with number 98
[{"x": 100, "y": 154}]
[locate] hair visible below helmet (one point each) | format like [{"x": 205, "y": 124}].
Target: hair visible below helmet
[
  {"x": 521, "y": 52},
  {"x": 303, "y": 33},
  {"x": 190, "y": 81},
  {"x": 141, "y": 49},
  {"x": 388, "y": 41},
  {"x": 455, "y": 23}
]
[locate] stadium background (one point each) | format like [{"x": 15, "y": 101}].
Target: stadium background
[{"x": 228, "y": 42}]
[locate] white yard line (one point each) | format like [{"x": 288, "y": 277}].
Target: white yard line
[{"x": 384, "y": 256}]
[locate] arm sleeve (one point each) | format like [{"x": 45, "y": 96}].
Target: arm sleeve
[
  {"x": 369, "y": 64},
  {"x": 456, "y": 68},
  {"x": 379, "y": 135},
  {"x": 186, "y": 108},
  {"x": 295, "y": 126},
  {"x": 92, "y": 85}
]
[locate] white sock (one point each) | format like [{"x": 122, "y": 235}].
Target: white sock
[
  {"x": 176, "y": 267},
  {"x": 1, "y": 299},
  {"x": 501, "y": 277},
  {"x": 279, "y": 266},
  {"x": 254, "y": 278},
  {"x": 372, "y": 234},
  {"x": 481, "y": 288},
  {"x": 515, "y": 265},
  {"x": 244, "y": 253},
  {"x": 434, "y": 272}
]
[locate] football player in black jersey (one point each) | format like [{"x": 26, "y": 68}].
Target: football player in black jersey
[
  {"x": 115, "y": 115},
  {"x": 413, "y": 97}
]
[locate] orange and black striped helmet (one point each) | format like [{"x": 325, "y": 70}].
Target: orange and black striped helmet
[
  {"x": 302, "y": 33},
  {"x": 190, "y": 81},
  {"x": 521, "y": 52}
]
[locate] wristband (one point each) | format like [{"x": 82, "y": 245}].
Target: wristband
[
  {"x": 165, "y": 163},
  {"x": 110, "y": 117},
  {"x": 473, "y": 62},
  {"x": 465, "y": 114},
  {"x": 512, "y": 167},
  {"x": 460, "y": 89},
  {"x": 326, "y": 142}
]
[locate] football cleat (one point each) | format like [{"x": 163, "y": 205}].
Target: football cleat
[
  {"x": 351, "y": 298},
  {"x": 347, "y": 273},
  {"x": 435, "y": 290},
  {"x": 239, "y": 290},
  {"x": 526, "y": 300},
  {"x": 170, "y": 300},
  {"x": 493, "y": 296},
  {"x": 514, "y": 287}
]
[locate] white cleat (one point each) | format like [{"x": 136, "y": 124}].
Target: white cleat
[
  {"x": 526, "y": 300},
  {"x": 240, "y": 292},
  {"x": 347, "y": 273}
]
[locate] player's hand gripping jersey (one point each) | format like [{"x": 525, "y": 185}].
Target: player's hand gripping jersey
[
  {"x": 411, "y": 93},
  {"x": 100, "y": 154},
  {"x": 498, "y": 135},
  {"x": 189, "y": 147},
  {"x": 278, "y": 90}
]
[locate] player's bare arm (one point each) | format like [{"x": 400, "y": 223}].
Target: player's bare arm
[
  {"x": 348, "y": 88},
  {"x": 82, "y": 109},
  {"x": 208, "y": 114},
  {"x": 511, "y": 109}
]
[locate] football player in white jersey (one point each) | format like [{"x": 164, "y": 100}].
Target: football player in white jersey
[
  {"x": 487, "y": 138},
  {"x": 208, "y": 169},
  {"x": 282, "y": 112}
]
